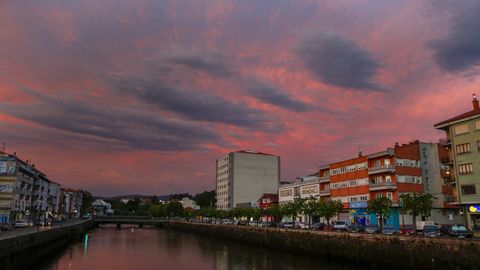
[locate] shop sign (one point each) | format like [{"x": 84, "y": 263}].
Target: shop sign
[
  {"x": 6, "y": 188},
  {"x": 474, "y": 208},
  {"x": 358, "y": 205}
]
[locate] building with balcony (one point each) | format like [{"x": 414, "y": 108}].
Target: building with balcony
[
  {"x": 303, "y": 187},
  {"x": 463, "y": 161},
  {"x": 243, "y": 176}
]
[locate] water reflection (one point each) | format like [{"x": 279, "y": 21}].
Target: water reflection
[{"x": 109, "y": 248}]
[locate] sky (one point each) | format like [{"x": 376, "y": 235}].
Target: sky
[{"x": 141, "y": 97}]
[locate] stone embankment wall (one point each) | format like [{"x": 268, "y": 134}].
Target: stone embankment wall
[
  {"x": 381, "y": 251},
  {"x": 24, "y": 251}
]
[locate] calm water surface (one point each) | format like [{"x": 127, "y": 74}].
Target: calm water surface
[{"x": 109, "y": 248}]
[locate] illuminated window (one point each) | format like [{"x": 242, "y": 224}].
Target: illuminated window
[
  {"x": 463, "y": 148},
  {"x": 465, "y": 168}
]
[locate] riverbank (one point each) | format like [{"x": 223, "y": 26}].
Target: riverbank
[
  {"x": 394, "y": 252},
  {"x": 23, "y": 251}
]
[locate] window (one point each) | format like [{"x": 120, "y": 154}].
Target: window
[
  {"x": 388, "y": 179},
  {"x": 478, "y": 146},
  {"x": 399, "y": 162},
  {"x": 465, "y": 168},
  {"x": 377, "y": 163},
  {"x": 468, "y": 189},
  {"x": 463, "y": 148},
  {"x": 353, "y": 183},
  {"x": 353, "y": 199},
  {"x": 363, "y": 198},
  {"x": 351, "y": 168},
  {"x": 379, "y": 195},
  {"x": 477, "y": 124},
  {"x": 386, "y": 162},
  {"x": 378, "y": 179},
  {"x": 461, "y": 129},
  {"x": 389, "y": 195}
]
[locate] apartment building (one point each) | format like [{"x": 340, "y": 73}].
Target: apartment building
[
  {"x": 306, "y": 187},
  {"x": 416, "y": 167},
  {"x": 463, "y": 143},
  {"x": 243, "y": 176}
]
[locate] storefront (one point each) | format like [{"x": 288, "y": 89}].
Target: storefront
[
  {"x": 359, "y": 213},
  {"x": 473, "y": 216}
]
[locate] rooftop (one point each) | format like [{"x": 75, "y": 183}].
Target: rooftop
[{"x": 474, "y": 112}]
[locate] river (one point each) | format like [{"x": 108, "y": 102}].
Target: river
[{"x": 108, "y": 248}]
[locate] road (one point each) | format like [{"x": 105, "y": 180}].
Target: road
[{"x": 22, "y": 231}]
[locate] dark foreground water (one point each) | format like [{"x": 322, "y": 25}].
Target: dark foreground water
[{"x": 109, "y": 249}]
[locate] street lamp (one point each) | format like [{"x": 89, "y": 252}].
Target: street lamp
[{"x": 74, "y": 215}]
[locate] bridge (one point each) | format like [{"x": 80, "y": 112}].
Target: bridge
[{"x": 130, "y": 220}]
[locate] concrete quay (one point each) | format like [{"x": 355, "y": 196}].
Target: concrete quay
[{"x": 20, "y": 249}]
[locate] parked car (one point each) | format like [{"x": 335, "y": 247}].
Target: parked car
[
  {"x": 389, "y": 230},
  {"x": 302, "y": 225},
  {"x": 355, "y": 227},
  {"x": 420, "y": 224},
  {"x": 265, "y": 224},
  {"x": 287, "y": 225},
  {"x": 407, "y": 229},
  {"x": 431, "y": 231},
  {"x": 21, "y": 224},
  {"x": 340, "y": 225},
  {"x": 6, "y": 226},
  {"x": 242, "y": 222},
  {"x": 372, "y": 228},
  {"x": 227, "y": 222},
  {"x": 319, "y": 226},
  {"x": 460, "y": 231},
  {"x": 445, "y": 230}
]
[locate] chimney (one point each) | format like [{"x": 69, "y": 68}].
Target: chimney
[
  {"x": 360, "y": 154},
  {"x": 476, "y": 107}
]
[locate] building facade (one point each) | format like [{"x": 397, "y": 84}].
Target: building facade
[
  {"x": 416, "y": 167},
  {"x": 303, "y": 187},
  {"x": 243, "y": 176},
  {"x": 463, "y": 142}
]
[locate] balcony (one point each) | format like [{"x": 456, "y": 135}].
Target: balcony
[
  {"x": 381, "y": 169},
  {"x": 447, "y": 189},
  {"x": 445, "y": 141},
  {"x": 446, "y": 160},
  {"x": 449, "y": 181},
  {"x": 324, "y": 179},
  {"x": 382, "y": 186},
  {"x": 324, "y": 192}
]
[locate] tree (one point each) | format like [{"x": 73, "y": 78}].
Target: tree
[
  {"x": 380, "y": 206},
  {"x": 205, "y": 199},
  {"x": 87, "y": 200},
  {"x": 174, "y": 209},
  {"x": 329, "y": 209},
  {"x": 275, "y": 210},
  {"x": 311, "y": 209},
  {"x": 132, "y": 205},
  {"x": 417, "y": 205},
  {"x": 257, "y": 214}
]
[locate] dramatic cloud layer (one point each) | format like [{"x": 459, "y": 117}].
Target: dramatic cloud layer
[
  {"x": 339, "y": 61},
  {"x": 460, "y": 49},
  {"x": 143, "y": 96}
]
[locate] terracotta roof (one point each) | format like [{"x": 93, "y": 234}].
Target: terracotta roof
[
  {"x": 459, "y": 117},
  {"x": 272, "y": 196}
]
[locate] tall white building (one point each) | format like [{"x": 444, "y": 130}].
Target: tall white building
[{"x": 243, "y": 176}]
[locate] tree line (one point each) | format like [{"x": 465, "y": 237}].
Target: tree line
[{"x": 416, "y": 205}]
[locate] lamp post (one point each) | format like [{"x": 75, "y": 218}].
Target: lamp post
[{"x": 74, "y": 215}]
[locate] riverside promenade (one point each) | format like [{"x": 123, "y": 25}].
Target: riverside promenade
[{"x": 22, "y": 248}]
